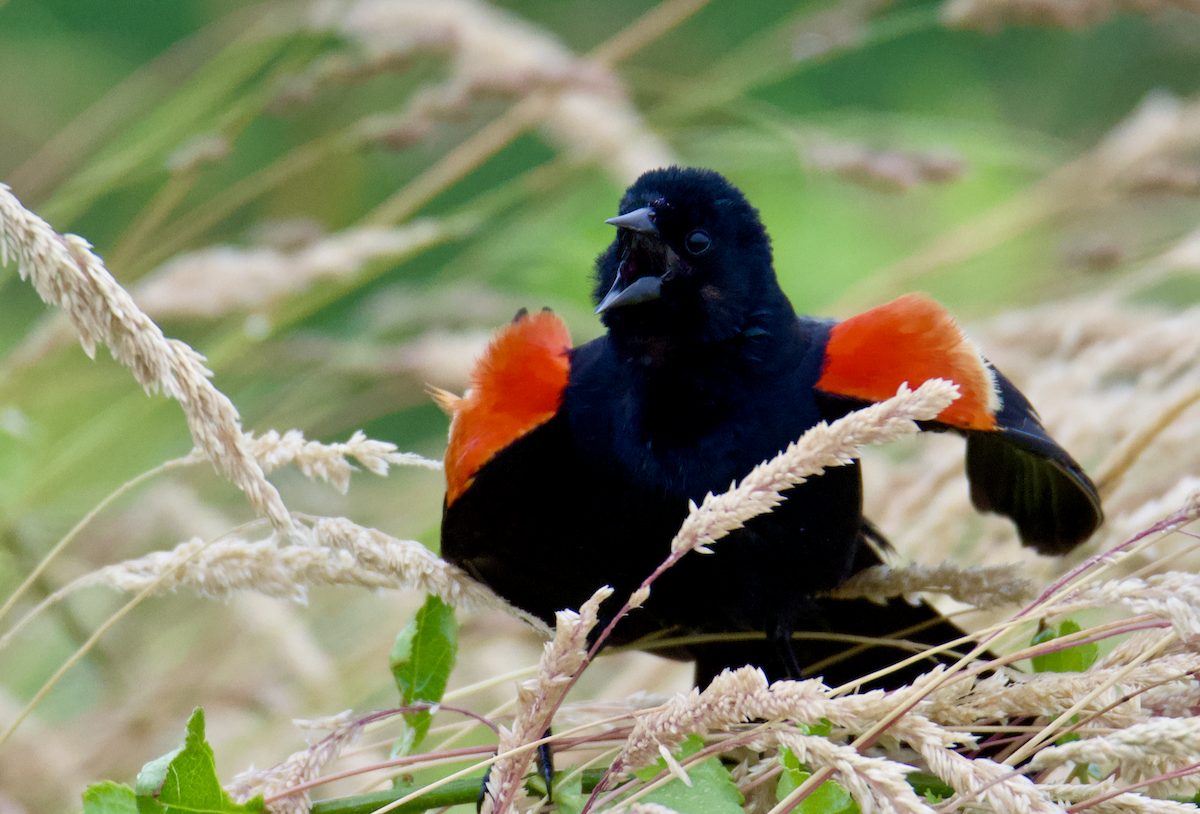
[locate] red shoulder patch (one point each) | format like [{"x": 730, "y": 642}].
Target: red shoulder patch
[
  {"x": 516, "y": 386},
  {"x": 911, "y": 339}
]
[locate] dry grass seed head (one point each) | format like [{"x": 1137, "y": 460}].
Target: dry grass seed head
[
  {"x": 328, "y": 462},
  {"x": 493, "y": 53},
  {"x": 332, "y": 551},
  {"x": 1173, "y": 596},
  {"x": 876, "y": 784},
  {"x": 1140, "y": 751},
  {"x": 983, "y": 587},
  {"x": 1128, "y": 803},
  {"x": 991, "y": 16},
  {"x": 219, "y": 280},
  {"x": 538, "y": 698},
  {"x": 300, "y": 767},
  {"x": 66, "y": 273}
]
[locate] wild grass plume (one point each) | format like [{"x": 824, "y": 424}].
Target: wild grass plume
[{"x": 332, "y": 204}]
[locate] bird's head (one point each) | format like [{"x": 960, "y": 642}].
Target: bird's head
[{"x": 690, "y": 261}]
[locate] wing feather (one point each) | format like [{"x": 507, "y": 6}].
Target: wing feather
[
  {"x": 1015, "y": 468},
  {"x": 1019, "y": 471}
]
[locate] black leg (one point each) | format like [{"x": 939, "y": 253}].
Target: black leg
[
  {"x": 487, "y": 773},
  {"x": 545, "y": 764}
]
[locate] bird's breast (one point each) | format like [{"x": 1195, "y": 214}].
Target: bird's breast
[{"x": 688, "y": 428}]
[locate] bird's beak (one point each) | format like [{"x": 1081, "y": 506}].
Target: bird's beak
[
  {"x": 640, "y": 290},
  {"x": 643, "y": 288},
  {"x": 639, "y": 220}
]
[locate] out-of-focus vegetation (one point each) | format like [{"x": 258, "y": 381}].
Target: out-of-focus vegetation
[{"x": 886, "y": 150}]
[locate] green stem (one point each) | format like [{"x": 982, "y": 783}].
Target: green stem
[{"x": 460, "y": 792}]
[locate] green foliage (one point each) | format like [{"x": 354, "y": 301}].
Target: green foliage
[
  {"x": 183, "y": 781},
  {"x": 109, "y": 798},
  {"x": 1073, "y": 659},
  {"x": 821, "y": 729},
  {"x": 827, "y": 798},
  {"x": 712, "y": 790},
  {"x": 569, "y": 796},
  {"x": 932, "y": 787},
  {"x": 421, "y": 661},
  {"x": 152, "y": 776}
]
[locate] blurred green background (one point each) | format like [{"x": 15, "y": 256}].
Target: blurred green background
[{"x": 885, "y": 150}]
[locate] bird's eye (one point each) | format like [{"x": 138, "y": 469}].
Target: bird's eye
[{"x": 698, "y": 241}]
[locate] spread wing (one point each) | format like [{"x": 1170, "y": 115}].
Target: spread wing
[{"x": 1014, "y": 467}]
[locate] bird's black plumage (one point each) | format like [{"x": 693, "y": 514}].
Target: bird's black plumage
[{"x": 705, "y": 371}]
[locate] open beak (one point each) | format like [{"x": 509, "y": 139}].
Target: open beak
[{"x": 636, "y": 281}]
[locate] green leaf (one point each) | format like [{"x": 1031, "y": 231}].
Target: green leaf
[
  {"x": 822, "y": 729},
  {"x": 569, "y": 797},
  {"x": 712, "y": 791},
  {"x": 152, "y": 776},
  {"x": 792, "y": 767},
  {"x": 422, "y": 659},
  {"x": 109, "y": 798},
  {"x": 1074, "y": 659},
  {"x": 150, "y": 805},
  {"x": 828, "y": 798},
  {"x": 189, "y": 782},
  {"x": 690, "y": 746},
  {"x": 930, "y": 785}
]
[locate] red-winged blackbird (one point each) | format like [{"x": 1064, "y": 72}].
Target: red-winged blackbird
[{"x": 571, "y": 468}]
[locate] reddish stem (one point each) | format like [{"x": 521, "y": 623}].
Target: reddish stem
[
  {"x": 464, "y": 751},
  {"x": 1091, "y": 801}
]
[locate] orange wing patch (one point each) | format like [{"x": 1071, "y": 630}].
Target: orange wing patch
[
  {"x": 515, "y": 387},
  {"x": 911, "y": 339}
]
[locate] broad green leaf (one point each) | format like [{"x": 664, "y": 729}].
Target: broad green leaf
[
  {"x": 422, "y": 659},
  {"x": 691, "y": 745},
  {"x": 828, "y": 798},
  {"x": 190, "y": 784},
  {"x": 569, "y": 797},
  {"x": 1071, "y": 660},
  {"x": 109, "y": 798},
  {"x": 712, "y": 791}
]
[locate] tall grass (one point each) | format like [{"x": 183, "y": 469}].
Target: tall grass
[{"x": 332, "y": 204}]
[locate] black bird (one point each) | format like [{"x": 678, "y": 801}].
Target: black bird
[{"x": 571, "y": 468}]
